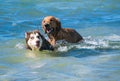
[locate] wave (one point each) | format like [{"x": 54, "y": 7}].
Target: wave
[
  {"x": 105, "y": 42},
  {"x": 30, "y": 21},
  {"x": 101, "y": 42}
]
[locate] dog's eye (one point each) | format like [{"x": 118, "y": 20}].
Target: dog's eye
[
  {"x": 38, "y": 36},
  {"x": 51, "y": 20},
  {"x": 31, "y": 37},
  {"x": 43, "y": 21}
]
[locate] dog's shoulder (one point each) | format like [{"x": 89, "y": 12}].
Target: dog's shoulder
[{"x": 46, "y": 45}]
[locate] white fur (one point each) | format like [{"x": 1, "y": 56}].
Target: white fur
[{"x": 32, "y": 41}]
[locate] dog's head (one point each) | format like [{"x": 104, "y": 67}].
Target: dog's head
[
  {"x": 33, "y": 40},
  {"x": 51, "y": 25}
]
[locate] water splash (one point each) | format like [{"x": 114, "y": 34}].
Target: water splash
[
  {"x": 105, "y": 42},
  {"x": 113, "y": 37},
  {"x": 101, "y": 42},
  {"x": 63, "y": 49},
  {"x": 20, "y": 46}
]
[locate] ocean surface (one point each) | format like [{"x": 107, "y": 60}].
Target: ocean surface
[{"x": 95, "y": 59}]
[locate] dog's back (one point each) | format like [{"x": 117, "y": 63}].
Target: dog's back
[{"x": 70, "y": 35}]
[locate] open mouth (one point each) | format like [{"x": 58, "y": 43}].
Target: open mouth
[
  {"x": 48, "y": 31},
  {"x": 37, "y": 45}
]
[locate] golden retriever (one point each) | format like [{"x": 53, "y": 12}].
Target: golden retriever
[{"x": 52, "y": 27}]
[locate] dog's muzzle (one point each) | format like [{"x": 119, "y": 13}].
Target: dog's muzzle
[
  {"x": 49, "y": 29},
  {"x": 38, "y": 43}
]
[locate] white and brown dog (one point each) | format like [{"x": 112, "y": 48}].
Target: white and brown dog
[{"x": 36, "y": 41}]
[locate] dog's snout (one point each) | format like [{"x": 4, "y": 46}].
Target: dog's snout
[{"x": 47, "y": 25}]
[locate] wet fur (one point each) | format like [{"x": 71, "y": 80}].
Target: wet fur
[
  {"x": 45, "y": 44},
  {"x": 59, "y": 33}
]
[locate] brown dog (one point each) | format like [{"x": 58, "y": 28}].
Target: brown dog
[
  {"x": 35, "y": 41},
  {"x": 52, "y": 26}
]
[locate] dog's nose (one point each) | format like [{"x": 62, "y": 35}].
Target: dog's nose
[{"x": 47, "y": 25}]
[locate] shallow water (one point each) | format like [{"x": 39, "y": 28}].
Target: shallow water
[{"x": 96, "y": 59}]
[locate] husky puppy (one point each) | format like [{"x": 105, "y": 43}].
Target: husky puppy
[{"x": 36, "y": 41}]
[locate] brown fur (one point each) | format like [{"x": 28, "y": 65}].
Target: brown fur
[
  {"x": 59, "y": 33},
  {"x": 45, "y": 44}
]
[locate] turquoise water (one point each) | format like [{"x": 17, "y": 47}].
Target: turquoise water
[{"x": 96, "y": 59}]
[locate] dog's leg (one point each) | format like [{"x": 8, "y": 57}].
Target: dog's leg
[{"x": 52, "y": 42}]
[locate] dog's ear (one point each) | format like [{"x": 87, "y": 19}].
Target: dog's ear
[
  {"x": 27, "y": 34},
  {"x": 37, "y": 31},
  {"x": 42, "y": 23},
  {"x": 58, "y": 24}
]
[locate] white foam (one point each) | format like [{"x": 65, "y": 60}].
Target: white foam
[
  {"x": 85, "y": 47},
  {"x": 113, "y": 37},
  {"x": 63, "y": 49},
  {"x": 37, "y": 66},
  {"x": 105, "y": 42},
  {"x": 20, "y": 46},
  {"x": 94, "y": 43},
  {"x": 115, "y": 47},
  {"x": 98, "y": 42}
]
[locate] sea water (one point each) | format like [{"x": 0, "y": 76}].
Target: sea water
[{"x": 97, "y": 58}]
